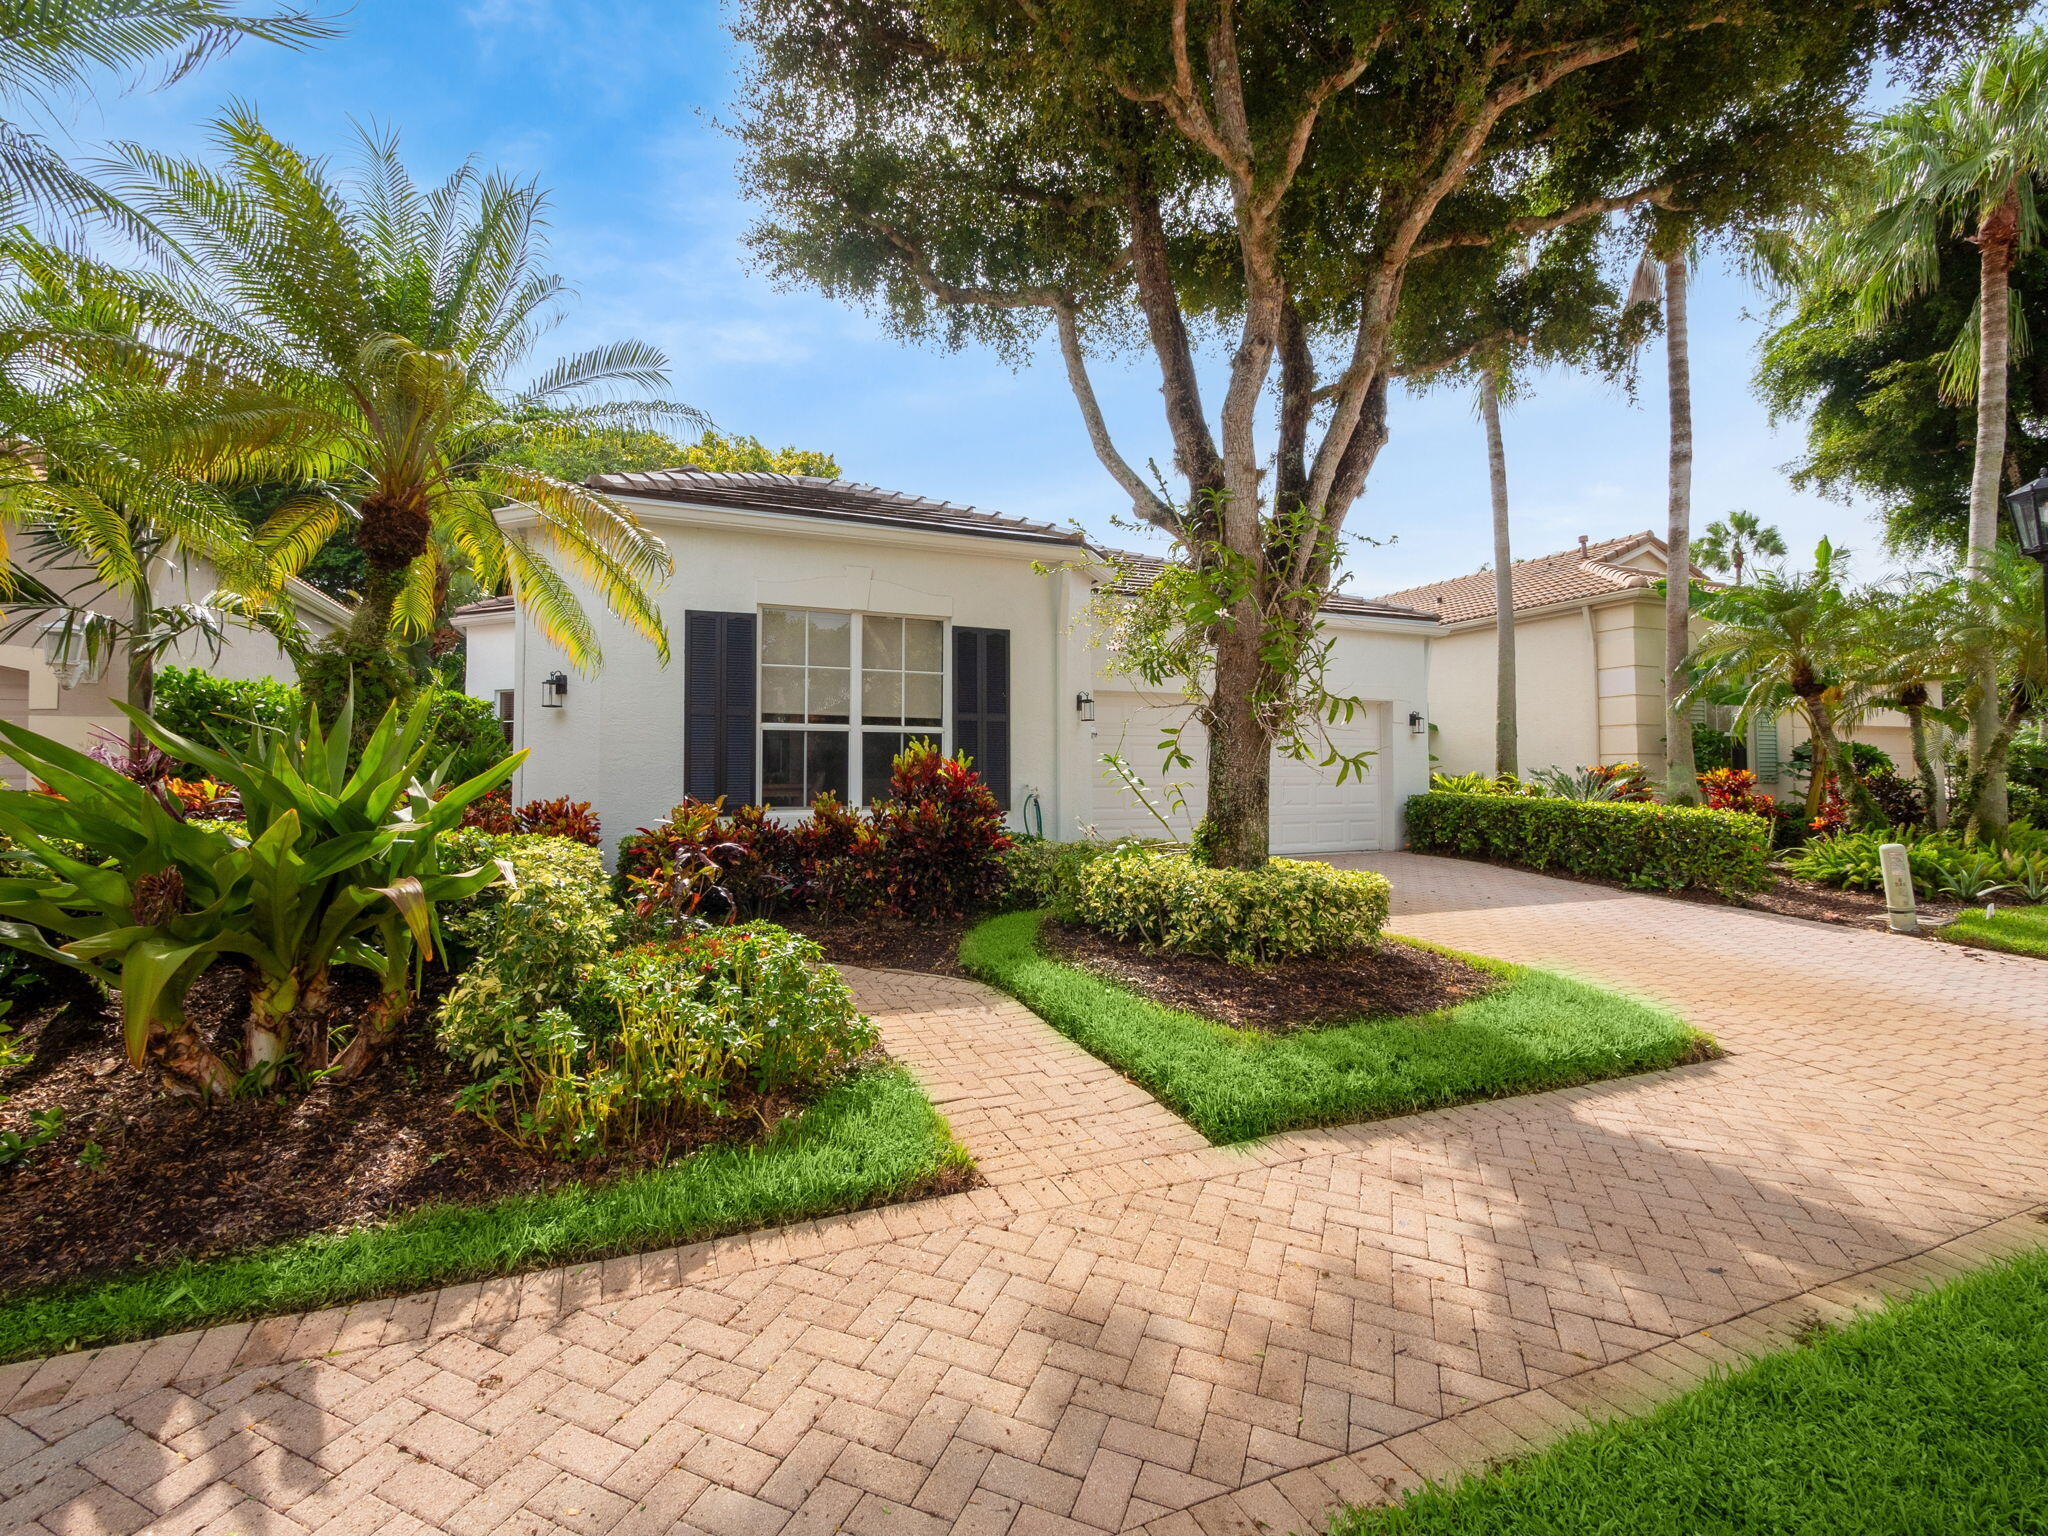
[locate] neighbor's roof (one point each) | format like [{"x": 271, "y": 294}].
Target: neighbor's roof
[
  {"x": 483, "y": 606},
  {"x": 1141, "y": 570},
  {"x": 812, "y": 496},
  {"x": 1572, "y": 575}
]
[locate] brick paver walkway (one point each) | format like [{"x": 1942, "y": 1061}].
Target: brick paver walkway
[{"x": 1126, "y": 1327}]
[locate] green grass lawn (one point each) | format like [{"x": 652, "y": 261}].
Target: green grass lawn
[
  {"x": 1536, "y": 1031},
  {"x": 2016, "y": 930},
  {"x": 873, "y": 1138},
  {"x": 1927, "y": 1419}
]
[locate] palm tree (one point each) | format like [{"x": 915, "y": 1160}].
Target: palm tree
[
  {"x": 1735, "y": 542},
  {"x": 1506, "y": 746},
  {"x": 91, "y": 505},
  {"x": 356, "y": 337},
  {"x": 48, "y": 50},
  {"x": 1962, "y": 164},
  {"x": 1903, "y": 646},
  {"x": 1788, "y": 641},
  {"x": 1667, "y": 277},
  {"x": 2001, "y": 618}
]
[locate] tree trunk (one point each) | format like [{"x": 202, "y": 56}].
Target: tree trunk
[
  {"x": 1236, "y": 832},
  {"x": 1506, "y": 748},
  {"x": 1822, "y": 731},
  {"x": 141, "y": 682},
  {"x": 1935, "y": 812},
  {"x": 1985, "y": 805},
  {"x": 1681, "y": 774},
  {"x": 186, "y": 1065},
  {"x": 1997, "y": 752}
]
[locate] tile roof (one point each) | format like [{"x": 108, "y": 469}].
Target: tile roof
[
  {"x": 813, "y": 496},
  {"x": 1572, "y": 575},
  {"x": 1140, "y": 570},
  {"x": 482, "y": 606}
]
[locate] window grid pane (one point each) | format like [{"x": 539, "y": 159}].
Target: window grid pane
[{"x": 808, "y": 696}]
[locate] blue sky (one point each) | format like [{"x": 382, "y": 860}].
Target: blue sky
[{"x": 613, "y": 106}]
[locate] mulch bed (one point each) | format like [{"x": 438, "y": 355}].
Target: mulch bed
[
  {"x": 1391, "y": 980},
  {"x": 887, "y": 943},
  {"x": 177, "y": 1180}
]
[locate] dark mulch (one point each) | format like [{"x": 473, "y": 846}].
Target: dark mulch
[
  {"x": 180, "y": 1181},
  {"x": 887, "y": 943},
  {"x": 1391, "y": 980}
]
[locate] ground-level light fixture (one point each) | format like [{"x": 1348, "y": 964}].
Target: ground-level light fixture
[
  {"x": 553, "y": 689},
  {"x": 1084, "y": 705}
]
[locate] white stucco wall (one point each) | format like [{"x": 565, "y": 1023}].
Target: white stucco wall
[
  {"x": 617, "y": 741},
  {"x": 30, "y": 695},
  {"x": 1557, "y": 714}
]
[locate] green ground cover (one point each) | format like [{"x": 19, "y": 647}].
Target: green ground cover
[
  {"x": 1922, "y": 1420},
  {"x": 2016, "y": 930},
  {"x": 1536, "y": 1031},
  {"x": 874, "y": 1138}
]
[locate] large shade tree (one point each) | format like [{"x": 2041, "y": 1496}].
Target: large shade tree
[
  {"x": 1287, "y": 178},
  {"x": 356, "y": 339}
]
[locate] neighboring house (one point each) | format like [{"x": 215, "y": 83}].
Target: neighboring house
[
  {"x": 31, "y": 693},
  {"x": 1589, "y": 668},
  {"x": 820, "y": 625}
]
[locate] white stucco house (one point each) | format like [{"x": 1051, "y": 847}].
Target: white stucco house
[
  {"x": 34, "y": 694},
  {"x": 818, "y": 625},
  {"x": 1589, "y": 668}
]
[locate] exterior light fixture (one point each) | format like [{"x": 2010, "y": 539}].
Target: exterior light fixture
[
  {"x": 553, "y": 689},
  {"x": 2029, "y": 508},
  {"x": 1084, "y": 705},
  {"x": 69, "y": 652},
  {"x": 1415, "y": 722}
]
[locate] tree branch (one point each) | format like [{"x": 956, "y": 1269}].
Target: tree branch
[
  {"x": 1144, "y": 500},
  {"x": 1593, "y": 207}
]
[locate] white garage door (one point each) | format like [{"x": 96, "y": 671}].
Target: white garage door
[{"x": 1312, "y": 813}]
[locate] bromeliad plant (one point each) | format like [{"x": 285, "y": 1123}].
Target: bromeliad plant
[{"x": 335, "y": 867}]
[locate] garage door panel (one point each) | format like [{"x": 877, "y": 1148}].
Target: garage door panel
[{"x": 1312, "y": 812}]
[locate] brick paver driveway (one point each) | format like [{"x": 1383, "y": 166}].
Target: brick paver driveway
[{"x": 1126, "y": 1326}]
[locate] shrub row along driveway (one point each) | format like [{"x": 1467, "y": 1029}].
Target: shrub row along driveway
[{"x": 1128, "y": 1326}]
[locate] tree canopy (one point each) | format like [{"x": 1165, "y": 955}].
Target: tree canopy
[{"x": 1336, "y": 194}]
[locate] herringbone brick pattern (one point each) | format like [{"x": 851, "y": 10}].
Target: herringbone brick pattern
[{"x": 1128, "y": 1328}]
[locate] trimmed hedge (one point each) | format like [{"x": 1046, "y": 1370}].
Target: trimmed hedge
[
  {"x": 1284, "y": 910},
  {"x": 1655, "y": 847}
]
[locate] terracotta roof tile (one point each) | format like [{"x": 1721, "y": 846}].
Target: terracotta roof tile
[
  {"x": 1572, "y": 575},
  {"x": 813, "y": 496},
  {"x": 1141, "y": 570}
]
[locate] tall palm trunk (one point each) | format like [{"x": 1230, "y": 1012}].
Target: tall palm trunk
[
  {"x": 1506, "y": 746},
  {"x": 1681, "y": 776},
  {"x": 1985, "y": 805}
]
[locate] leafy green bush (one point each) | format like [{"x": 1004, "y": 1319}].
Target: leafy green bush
[
  {"x": 553, "y": 913},
  {"x": 1942, "y": 863},
  {"x": 1287, "y": 909},
  {"x": 1712, "y": 748},
  {"x": 1657, "y": 847},
  {"x": 230, "y": 713},
  {"x": 333, "y": 867},
  {"x": 1041, "y": 873},
  {"x": 658, "y": 1037}
]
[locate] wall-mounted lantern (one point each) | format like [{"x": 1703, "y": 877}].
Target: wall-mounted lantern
[
  {"x": 1416, "y": 724},
  {"x": 553, "y": 689},
  {"x": 1084, "y": 705},
  {"x": 69, "y": 652}
]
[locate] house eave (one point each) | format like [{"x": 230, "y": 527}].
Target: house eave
[{"x": 998, "y": 543}]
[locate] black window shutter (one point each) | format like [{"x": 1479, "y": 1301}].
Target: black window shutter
[
  {"x": 718, "y": 706},
  {"x": 981, "y": 704}
]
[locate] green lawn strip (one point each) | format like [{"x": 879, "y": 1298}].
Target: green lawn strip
[
  {"x": 872, "y": 1137},
  {"x": 1921, "y": 1420},
  {"x": 1537, "y": 1031},
  {"x": 2016, "y": 930}
]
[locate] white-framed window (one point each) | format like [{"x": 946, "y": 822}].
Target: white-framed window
[{"x": 828, "y": 677}]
